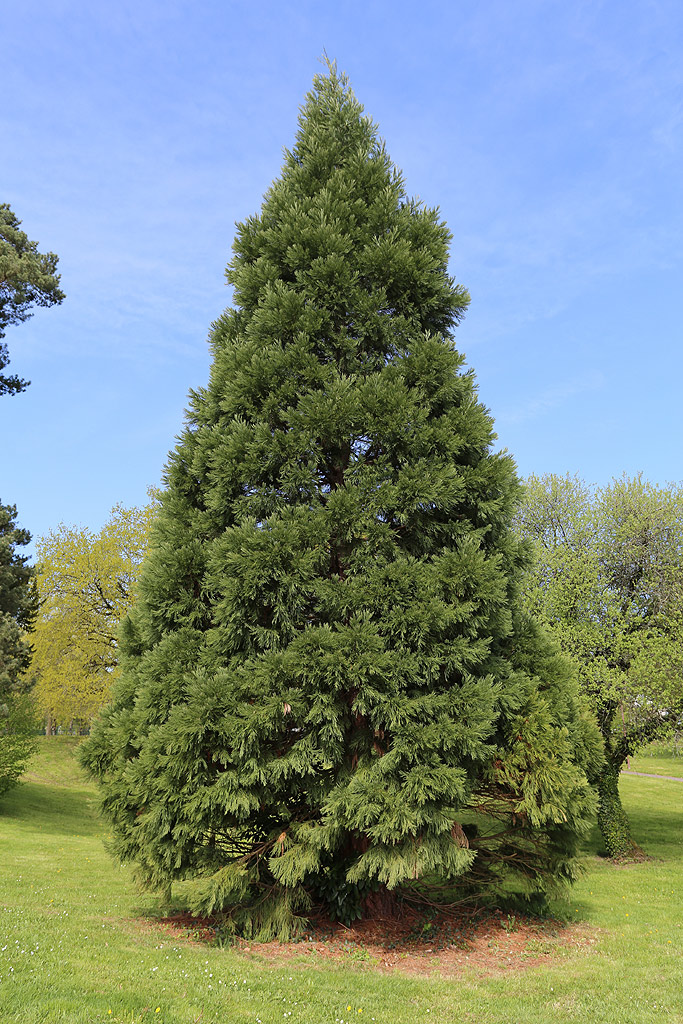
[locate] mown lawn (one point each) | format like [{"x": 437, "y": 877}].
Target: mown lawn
[
  {"x": 658, "y": 759},
  {"x": 78, "y": 944}
]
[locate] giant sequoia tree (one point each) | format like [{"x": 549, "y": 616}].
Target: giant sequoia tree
[{"x": 328, "y": 690}]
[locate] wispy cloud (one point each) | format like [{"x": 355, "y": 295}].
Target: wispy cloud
[{"x": 550, "y": 399}]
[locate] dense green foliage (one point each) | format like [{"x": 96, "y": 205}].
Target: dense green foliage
[
  {"x": 27, "y": 279},
  {"x": 18, "y": 606},
  {"x": 329, "y": 690},
  {"x": 608, "y": 581}
]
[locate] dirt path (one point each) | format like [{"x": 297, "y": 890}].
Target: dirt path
[{"x": 645, "y": 775}]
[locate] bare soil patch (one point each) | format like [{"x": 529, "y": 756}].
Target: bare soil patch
[
  {"x": 416, "y": 943},
  {"x": 636, "y": 855}
]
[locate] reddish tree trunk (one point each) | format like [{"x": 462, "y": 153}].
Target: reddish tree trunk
[{"x": 382, "y": 904}]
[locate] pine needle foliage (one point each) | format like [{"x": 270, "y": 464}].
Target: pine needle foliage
[
  {"x": 18, "y": 607},
  {"x": 328, "y": 690}
]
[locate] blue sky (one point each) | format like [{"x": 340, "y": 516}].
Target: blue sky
[{"x": 135, "y": 134}]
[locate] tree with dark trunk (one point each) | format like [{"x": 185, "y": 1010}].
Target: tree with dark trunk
[
  {"x": 18, "y": 606},
  {"x": 27, "y": 279}
]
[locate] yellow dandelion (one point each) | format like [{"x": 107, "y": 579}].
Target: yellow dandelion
[{"x": 157, "y": 1009}]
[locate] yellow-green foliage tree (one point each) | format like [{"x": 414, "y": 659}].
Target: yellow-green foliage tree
[{"x": 87, "y": 582}]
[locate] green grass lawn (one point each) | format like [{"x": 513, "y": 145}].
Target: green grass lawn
[
  {"x": 77, "y": 943},
  {"x": 658, "y": 759}
]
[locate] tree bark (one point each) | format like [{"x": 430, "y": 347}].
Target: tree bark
[{"x": 382, "y": 904}]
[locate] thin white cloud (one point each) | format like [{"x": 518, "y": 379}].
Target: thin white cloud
[{"x": 550, "y": 399}]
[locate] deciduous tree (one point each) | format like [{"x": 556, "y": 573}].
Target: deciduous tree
[
  {"x": 329, "y": 691},
  {"x": 87, "y": 582},
  {"x": 608, "y": 581}
]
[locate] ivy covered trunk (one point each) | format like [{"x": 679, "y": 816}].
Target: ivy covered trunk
[
  {"x": 612, "y": 819},
  {"x": 328, "y": 689},
  {"x": 619, "y": 745}
]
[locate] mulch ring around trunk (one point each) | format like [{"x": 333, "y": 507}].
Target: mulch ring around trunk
[{"x": 417, "y": 943}]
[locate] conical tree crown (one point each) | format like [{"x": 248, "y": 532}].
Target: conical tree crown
[{"x": 328, "y": 689}]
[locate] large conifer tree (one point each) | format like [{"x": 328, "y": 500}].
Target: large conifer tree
[{"x": 328, "y": 689}]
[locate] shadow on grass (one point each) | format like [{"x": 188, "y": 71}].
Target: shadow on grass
[
  {"x": 655, "y": 812},
  {"x": 56, "y": 811}
]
